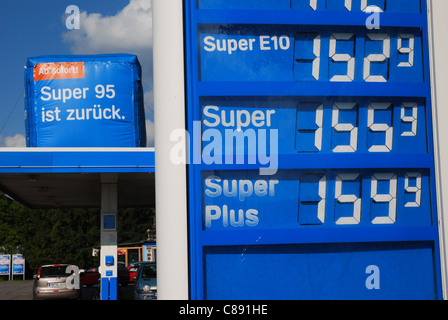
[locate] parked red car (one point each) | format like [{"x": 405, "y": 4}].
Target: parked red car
[
  {"x": 132, "y": 268},
  {"x": 91, "y": 276}
]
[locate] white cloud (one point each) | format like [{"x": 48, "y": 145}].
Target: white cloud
[
  {"x": 17, "y": 141},
  {"x": 129, "y": 31}
]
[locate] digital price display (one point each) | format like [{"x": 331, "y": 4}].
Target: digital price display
[{"x": 315, "y": 173}]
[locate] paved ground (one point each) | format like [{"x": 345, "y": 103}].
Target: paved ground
[
  {"x": 23, "y": 290},
  {"x": 16, "y": 290}
]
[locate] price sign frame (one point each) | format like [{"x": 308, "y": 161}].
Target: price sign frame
[{"x": 359, "y": 135}]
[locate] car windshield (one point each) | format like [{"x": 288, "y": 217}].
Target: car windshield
[
  {"x": 149, "y": 271},
  {"x": 53, "y": 271}
]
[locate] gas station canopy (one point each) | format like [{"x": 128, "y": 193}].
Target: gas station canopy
[{"x": 71, "y": 177}]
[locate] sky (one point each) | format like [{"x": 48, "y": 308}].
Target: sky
[{"x": 31, "y": 28}]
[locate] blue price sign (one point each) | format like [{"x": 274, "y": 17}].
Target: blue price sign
[{"x": 313, "y": 156}]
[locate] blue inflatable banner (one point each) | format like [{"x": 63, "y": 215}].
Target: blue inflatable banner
[{"x": 84, "y": 101}]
